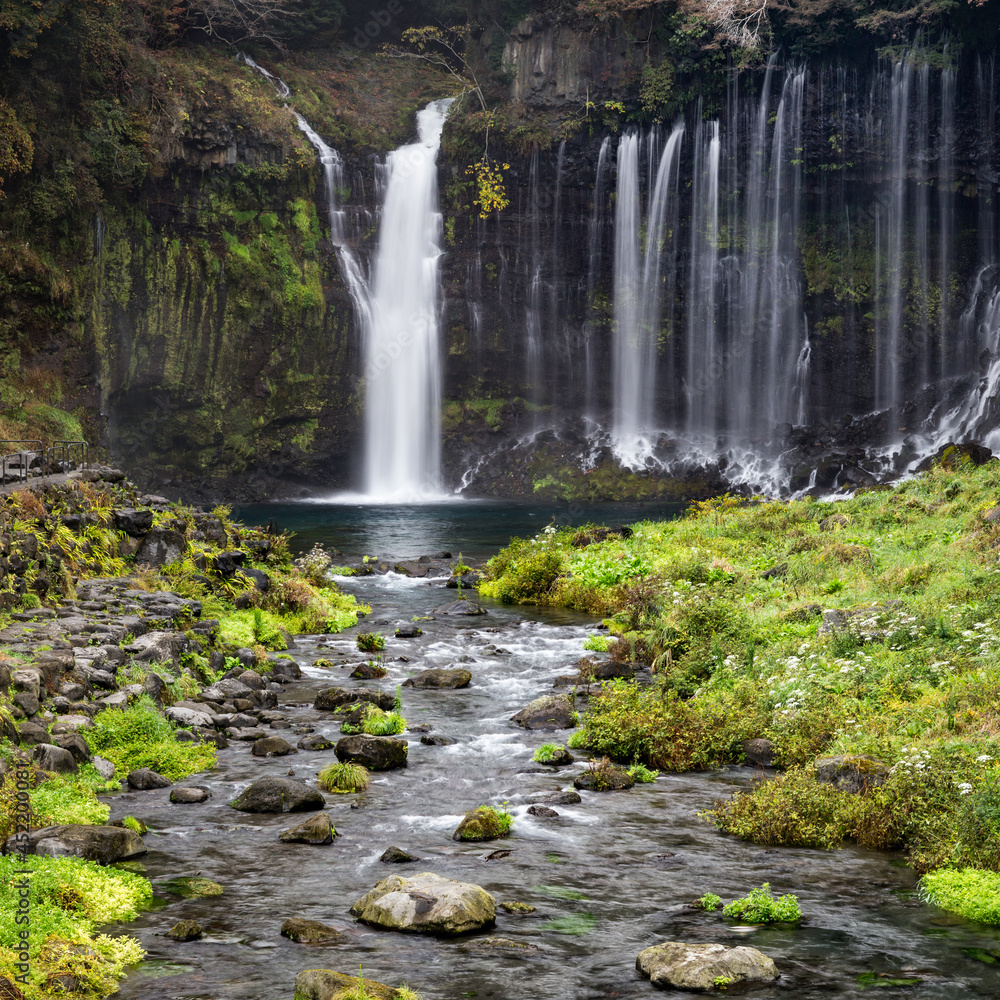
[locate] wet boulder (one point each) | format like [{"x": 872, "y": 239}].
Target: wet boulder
[
  {"x": 427, "y": 904},
  {"x": 759, "y": 752},
  {"x": 604, "y": 777},
  {"x": 334, "y": 697},
  {"x": 325, "y": 984},
  {"x": 278, "y": 795},
  {"x": 568, "y": 797},
  {"x": 439, "y": 678},
  {"x": 683, "y": 966},
  {"x": 52, "y": 758},
  {"x": 396, "y": 856},
  {"x": 316, "y": 830},
  {"x": 189, "y": 795},
  {"x": 315, "y": 741},
  {"x": 186, "y": 930},
  {"x": 854, "y": 773},
  {"x": 461, "y": 607},
  {"x": 103, "y": 844},
  {"x": 303, "y": 931},
  {"x": 142, "y": 779},
  {"x": 547, "y": 712},
  {"x": 377, "y": 753},
  {"x": 272, "y": 746}
]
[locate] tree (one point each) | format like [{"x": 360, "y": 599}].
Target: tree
[{"x": 239, "y": 21}]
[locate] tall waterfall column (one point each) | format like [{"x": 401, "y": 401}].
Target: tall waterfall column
[{"x": 402, "y": 354}]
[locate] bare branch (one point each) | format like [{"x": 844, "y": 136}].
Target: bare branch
[
  {"x": 744, "y": 21},
  {"x": 237, "y": 21}
]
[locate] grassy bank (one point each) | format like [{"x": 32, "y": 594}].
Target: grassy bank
[{"x": 866, "y": 627}]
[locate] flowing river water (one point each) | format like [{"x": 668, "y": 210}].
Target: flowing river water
[{"x": 609, "y": 876}]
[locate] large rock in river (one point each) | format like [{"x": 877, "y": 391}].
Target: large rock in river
[
  {"x": 334, "y": 697},
  {"x": 103, "y": 844},
  {"x": 461, "y": 607},
  {"x": 547, "y": 712},
  {"x": 439, "y": 678},
  {"x": 427, "y": 904},
  {"x": 377, "y": 753},
  {"x": 685, "y": 966},
  {"x": 278, "y": 795}
]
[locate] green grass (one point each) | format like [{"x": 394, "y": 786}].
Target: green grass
[
  {"x": 370, "y": 642},
  {"x": 69, "y": 898},
  {"x": 140, "y": 736},
  {"x": 969, "y": 892},
  {"x": 760, "y": 907},
  {"x": 377, "y": 722},
  {"x": 546, "y": 752},
  {"x": 910, "y": 674},
  {"x": 344, "y": 778},
  {"x": 641, "y": 774}
]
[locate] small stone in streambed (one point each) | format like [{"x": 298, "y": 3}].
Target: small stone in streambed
[
  {"x": 142, "y": 779},
  {"x": 186, "y": 930},
  {"x": 409, "y": 632},
  {"x": 564, "y": 798},
  {"x": 303, "y": 931},
  {"x": 436, "y": 741},
  {"x": 317, "y": 830},
  {"x": 512, "y": 906},
  {"x": 502, "y": 944},
  {"x": 461, "y": 607},
  {"x": 439, "y": 678},
  {"x": 396, "y": 856},
  {"x": 542, "y": 811},
  {"x": 315, "y": 741},
  {"x": 272, "y": 746},
  {"x": 189, "y": 887},
  {"x": 323, "y": 663},
  {"x": 189, "y": 795}
]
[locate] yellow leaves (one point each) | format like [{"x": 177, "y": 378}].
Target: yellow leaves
[{"x": 491, "y": 195}]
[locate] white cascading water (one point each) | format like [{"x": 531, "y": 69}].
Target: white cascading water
[
  {"x": 402, "y": 356},
  {"x": 637, "y": 304}
]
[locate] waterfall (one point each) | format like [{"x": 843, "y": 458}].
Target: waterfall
[
  {"x": 638, "y": 292},
  {"x": 594, "y": 240},
  {"x": 946, "y": 215},
  {"x": 402, "y": 356},
  {"x": 704, "y": 365}
]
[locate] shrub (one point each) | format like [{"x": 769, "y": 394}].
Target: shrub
[
  {"x": 523, "y": 573},
  {"x": 639, "y": 773},
  {"x": 793, "y": 810},
  {"x": 370, "y": 642},
  {"x": 969, "y": 892},
  {"x": 343, "y": 778},
  {"x": 709, "y": 901},
  {"x": 546, "y": 752},
  {"x": 760, "y": 907},
  {"x": 69, "y": 897},
  {"x": 598, "y": 643},
  {"x": 139, "y": 736}
]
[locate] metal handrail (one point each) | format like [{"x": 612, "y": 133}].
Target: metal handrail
[
  {"x": 58, "y": 451},
  {"x": 18, "y": 453},
  {"x": 66, "y": 448}
]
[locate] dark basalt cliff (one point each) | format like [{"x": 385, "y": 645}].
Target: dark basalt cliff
[{"x": 199, "y": 305}]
